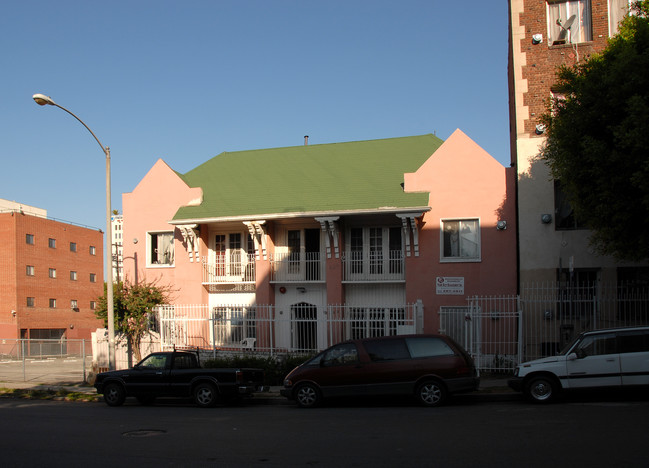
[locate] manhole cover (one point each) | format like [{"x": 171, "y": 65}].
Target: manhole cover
[{"x": 144, "y": 433}]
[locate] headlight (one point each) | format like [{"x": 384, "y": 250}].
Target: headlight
[{"x": 288, "y": 383}]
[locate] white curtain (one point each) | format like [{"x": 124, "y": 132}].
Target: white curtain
[{"x": 581, "y": 28}]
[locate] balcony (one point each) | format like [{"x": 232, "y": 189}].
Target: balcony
[
  {"x": 297, "y": 267},
  {"x": 361, "y": 267},
  {"x": 231, "y": 268}
]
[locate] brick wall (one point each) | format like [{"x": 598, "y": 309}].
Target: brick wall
[
  {"x": 543, "y": 60},
  {"x": 77, "y": 323}
]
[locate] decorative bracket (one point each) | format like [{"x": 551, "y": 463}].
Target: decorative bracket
[
  {"x": 191, "y": 234},
  {"x": 409, "y": 225},
  {"x": 258, "y": 233},
  {"x": 330, "y": 228}
]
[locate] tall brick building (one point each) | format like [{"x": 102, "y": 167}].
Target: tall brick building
[
  {"x": 51, "y": 275},
  {"x": 543, "y": 35}
]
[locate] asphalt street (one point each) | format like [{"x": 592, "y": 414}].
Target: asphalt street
[{"x": 604, "y": 431}]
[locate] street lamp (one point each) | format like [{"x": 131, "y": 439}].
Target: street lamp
[{"x": 43, "y": 100}]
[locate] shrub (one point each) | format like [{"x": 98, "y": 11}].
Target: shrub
[{"x": 275, "y": 367}]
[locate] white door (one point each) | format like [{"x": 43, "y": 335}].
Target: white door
[{"x": 597, "y": 363}]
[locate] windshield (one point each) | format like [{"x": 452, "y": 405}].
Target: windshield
[{"x": 567, "y": 348}]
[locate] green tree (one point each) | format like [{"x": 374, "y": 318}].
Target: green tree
[
  {"x": 597, "y": 139},
  {"x": 132, "y": 308}
]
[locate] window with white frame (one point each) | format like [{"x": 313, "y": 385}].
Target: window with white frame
[
  {"x": 233, "y": 256},
  {"x": 31, "y": 271},
  {"x": 460, "y": 240},
  {"x": 93, "y": 277},
  {"x": 93, "y": 250},
  {"x": 374, "y": 251},
  {"x": 52, "y": 303},
  {"x": 161, "y": 248},
  {"x": 74, "y": 304},
  {"x": 52, "y": 273},
  {"x": 617, "y": 10},
  {"x": 569, "y": 22},
  {"x": 73, "y": 275}
]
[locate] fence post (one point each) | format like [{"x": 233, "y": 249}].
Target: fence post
[
  {"x": 83, "y": 351},
  {"x": 22, "y": 348},
  {"x": 519, "y": 310}
]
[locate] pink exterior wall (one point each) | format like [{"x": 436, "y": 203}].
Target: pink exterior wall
[
  {"x": 464, "y": 181},
  {"x": 149, "y": 208}
]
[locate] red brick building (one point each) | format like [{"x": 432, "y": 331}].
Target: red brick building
[{"x": 51, "y": 276}]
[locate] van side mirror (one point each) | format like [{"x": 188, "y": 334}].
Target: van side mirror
[{"x": 572, "y": 357}]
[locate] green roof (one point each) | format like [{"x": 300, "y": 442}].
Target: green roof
[{"x": 327, "y": 178}]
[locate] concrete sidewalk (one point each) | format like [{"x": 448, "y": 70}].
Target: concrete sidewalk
[{"x": 491, "y": 389}]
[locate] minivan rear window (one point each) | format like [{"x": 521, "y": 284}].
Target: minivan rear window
[
  {"x": 386, "y": 350},
  {"x": 428, "y": 347}
]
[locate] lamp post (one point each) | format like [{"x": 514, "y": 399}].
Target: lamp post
[{"x": 43, "y": 100}]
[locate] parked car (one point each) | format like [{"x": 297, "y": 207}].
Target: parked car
[
  {"x": 429, "y": 367},
  {"x": 176, "y": 374},
  {"x": 597, "y": 359}
]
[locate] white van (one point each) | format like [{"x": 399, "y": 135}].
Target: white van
[{"x": 616, "y": 358}]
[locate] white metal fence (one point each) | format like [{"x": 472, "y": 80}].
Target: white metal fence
[
  {"x": 501, "y": 332},
  {"x": 306, "y": 329}
]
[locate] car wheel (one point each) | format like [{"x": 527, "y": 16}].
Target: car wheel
[
  {"x": 431, "y": 393},
  {"x": 145, "y": 400},
  {"x": 541, "y": 389},
  {"x": 307, "y": 395},
  {"x": 114, "y": 394},
  {"x": 205, "y": 395}
]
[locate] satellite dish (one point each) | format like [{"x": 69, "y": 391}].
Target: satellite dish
[{"x": 564, "y": 29}]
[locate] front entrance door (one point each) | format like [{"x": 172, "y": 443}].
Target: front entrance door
[{"x": 304, "y": 327}]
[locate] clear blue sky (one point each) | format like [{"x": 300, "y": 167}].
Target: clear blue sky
[{"x": 186, "y": 80}]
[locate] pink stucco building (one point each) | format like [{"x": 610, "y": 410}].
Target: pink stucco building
[{"x": 301, "y": 246}]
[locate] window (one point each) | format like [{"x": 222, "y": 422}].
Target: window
[
  {"x": 74, "y": 305},
  {"x": 569, "y": 22},
  {"x": 634, "y": 342},
  {"x": 93, "y": 250},
  {"x": 460, "y": 240},
  {"x": 30, "y": 301},
  {"x": 597, "y": 345},
  {"x": 617, "y": 10},
  {"x": 73, "y": 276},
  {"x": 374, "y": 252},
  {"x": 51, "y": 243},
  {"x": 154, "y": 361},
  {"x": 52, "y": 303},
  {"x": 388, "y": 350},
  {"x": 30, "y": 270},
  {"x": 343, "y": 354},
  {"x": 93, "y": 277},
  {"x": 161, "y": 248},
  {"x": 428, "y": 347},
  {"x": 52, "y": 273},
  {"x": 29, "y": 239},
  {"x": 564, "y": 214},
  {"x": 93, "y": 305},
  {"x": 73, "y": 246}
]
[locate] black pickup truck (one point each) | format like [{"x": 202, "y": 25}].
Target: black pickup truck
[{"x": 177, "y": 374}]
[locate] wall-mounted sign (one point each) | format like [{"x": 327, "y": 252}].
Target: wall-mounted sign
[{"x": 450, "y": 285}]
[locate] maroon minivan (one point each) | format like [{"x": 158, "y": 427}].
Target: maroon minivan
[{"x": 429, "y": 367}]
